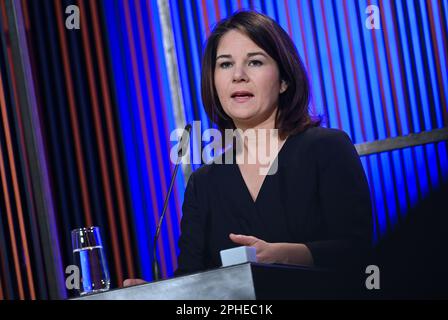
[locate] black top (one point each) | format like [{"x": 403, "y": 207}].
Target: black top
[{"x": 319, "y": 196}]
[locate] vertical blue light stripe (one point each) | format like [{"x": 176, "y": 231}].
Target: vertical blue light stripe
[
  {"x": 201, "y": 21},
  {"x": 439, "y": 45},
  {"x": 210, "y": 6},
  {"x": 245, "y": 5},
  {"x": 411, "y": 175},
  {"x": 183, "y": 71},
  {"x": 432, "y": 165},
  {"x": 337, "y": 68},
  {"x": 385, "y": 82},
  {"x": 373, "y": 81},
  {"x": 119, "y": 59},
  {"x": 422, "y": 174},
  {"x": 443, "y": 157},
  {"x": 357, "y": 138},
  {"x": 257, "y": 5},
  {"x": 419, "y": 64},
  {"x": 444, "y": 6},
  {"x": 324, "y": 60},
  {"x": 234, "y": 5},
  {"x": 282, "y": 12},
  {"x": 223, "y": 9},
  {"x": 431, "y": 64},
  {"x": 270, "y": 11},
  {"x": 317, "y": 95},
  {"x": 395, "y": 66},
  {"x": 410, "y": 81},
  {"x": 400, "y": 181},
  {"x": 295, "y": 26},
  {"x": 362, "y": 76},
  {"x": 147, "y": 172},
  {"x": 196, "y": 65}
]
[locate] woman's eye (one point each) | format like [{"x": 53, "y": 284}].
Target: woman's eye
[
  {"x": 225, "y": 65},
  {"x": 255, "y": 63}
]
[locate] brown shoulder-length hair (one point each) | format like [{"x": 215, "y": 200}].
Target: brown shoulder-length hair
[{"x": 292, "y": 115}]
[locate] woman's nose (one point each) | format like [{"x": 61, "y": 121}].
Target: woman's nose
[{"x": 239, "y": 74}]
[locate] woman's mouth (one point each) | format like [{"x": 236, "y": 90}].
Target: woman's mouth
[{"x": 242, "y": 96}]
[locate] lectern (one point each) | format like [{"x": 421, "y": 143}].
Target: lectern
[{"x": 247, "y": 281}]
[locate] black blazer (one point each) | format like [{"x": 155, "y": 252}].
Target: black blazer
[{"x": 319, "y": 196}]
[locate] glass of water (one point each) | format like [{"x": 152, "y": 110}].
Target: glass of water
[{"x": 89, "y": 257}]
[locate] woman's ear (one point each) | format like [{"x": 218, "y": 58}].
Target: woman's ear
[{"x": 283, "y": 86}]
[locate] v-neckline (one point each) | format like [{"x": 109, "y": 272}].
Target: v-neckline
[{"x": 239, "y": 173}]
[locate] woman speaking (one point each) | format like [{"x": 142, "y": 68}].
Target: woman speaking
[{"x": 315, "y": 208}]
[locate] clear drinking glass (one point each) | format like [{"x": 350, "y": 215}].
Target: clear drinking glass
[{"x": 89, "y": 256}]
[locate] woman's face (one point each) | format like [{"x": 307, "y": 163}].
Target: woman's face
[{"x": 247, "y": 81}]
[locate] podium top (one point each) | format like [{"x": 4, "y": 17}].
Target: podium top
[{"x": 247, "y": 281}]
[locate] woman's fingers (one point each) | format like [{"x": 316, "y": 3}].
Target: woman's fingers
[
  {"x": 133, "y": 282},
  {"x": 243, "y": 240}
]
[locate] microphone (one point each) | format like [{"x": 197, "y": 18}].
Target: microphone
[{"x": 183, "y": 145}]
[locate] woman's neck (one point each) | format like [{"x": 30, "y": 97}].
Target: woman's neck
[
  {"x": 268, "y": 123},
  {"x": 259, "y": 142},
  {"x": 258, "y": 145}
]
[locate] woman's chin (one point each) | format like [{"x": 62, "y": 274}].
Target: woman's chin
[
  {"x": 242, "y": 115},
  {"x": 244, "y": 122}
]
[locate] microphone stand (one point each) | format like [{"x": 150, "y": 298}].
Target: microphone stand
[{"x": 182, "y": 146}]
